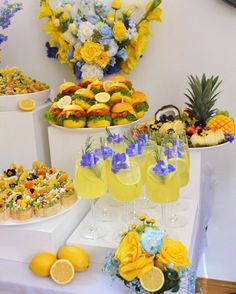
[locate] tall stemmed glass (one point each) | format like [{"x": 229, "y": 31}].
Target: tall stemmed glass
[
  {"x": 162, "y": 185},
  {"x": 91, "y": 183},
  {"x": 176, "y": 158},
  {"x": 125, "y": 182},
  {"x": 105, "y": 154}
]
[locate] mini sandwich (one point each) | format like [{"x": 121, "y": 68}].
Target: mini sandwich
[
  {"x": 73, "y": 116},
  {"x": 123, "y": 113},
  {"x": 119, "y": 92},
  {"x": 67, "y": 88},
  {"x": 84, "y": 98},
  {"x": 86, "y": 82},
  {"x": 121, "y": 79},
  {"x": 96, "y": 87},
  {"x": 52, "y": 114},
  {"x": 4, "y": 212},
  {"x": 21, "y": 208},
  {"x": 99, "y": 116},
  {"x": 139, "y": 103}
]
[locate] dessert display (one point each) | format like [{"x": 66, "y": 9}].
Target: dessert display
[
  {"x": 203, "y": 124},
  {"x": 39, "y": 192},
  {"x": 62, "y": 267},
  {"x": 97, "y": 104},
  {"x": 13, "y": 82}
]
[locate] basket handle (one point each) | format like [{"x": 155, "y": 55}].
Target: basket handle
[{"x": 166, "y": 107}]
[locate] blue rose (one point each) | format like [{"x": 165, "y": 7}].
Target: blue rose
[
  {"x": 105, "y": 31},
  {"x": 151, "y": 240},
  {"x": 93, "y": 18}
]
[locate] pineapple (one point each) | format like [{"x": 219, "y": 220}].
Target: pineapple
[
  {"x": 222, "y": 121},
  {"x": 202, "y": 96}
]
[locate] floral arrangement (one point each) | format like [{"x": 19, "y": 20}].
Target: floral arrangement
[
  {"x": 7, "y": 11},
  {"x": 95, "y": 40},
  {"x": 148, "y": 261}
]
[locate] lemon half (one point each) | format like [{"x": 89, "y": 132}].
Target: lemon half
[
  {"x": 152, "y": 280},
  {"x": 62, "y": 271}
]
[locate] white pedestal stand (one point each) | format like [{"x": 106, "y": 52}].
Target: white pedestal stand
[
  {"x": 21, "y": 242},
  {"x": 23, "y": 137}
]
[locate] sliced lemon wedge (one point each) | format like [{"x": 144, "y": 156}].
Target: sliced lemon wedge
[
  {"x": 64, "y": 101},
  {"x": 62, "y": 271},
  {"x": 153, "y": 280},
  {"x": 130, "y": 176},
  {"x": 102, "y": 97},
  {"x": 26, "y": 104}
]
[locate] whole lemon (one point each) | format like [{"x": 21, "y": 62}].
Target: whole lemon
[
  {"x": 41, "y": 264},
  {"x": 76, "y": 255}
]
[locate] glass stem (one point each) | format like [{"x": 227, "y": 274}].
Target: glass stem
[
  {"x": 163, "y": 215},
  {"x": 92, "y": 227}
]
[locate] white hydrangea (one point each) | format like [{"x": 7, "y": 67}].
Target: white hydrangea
[
  {"x": 85, "y": 31},
  {"x": 91, "y": 71},
  {"x": 68, "y": 37}
]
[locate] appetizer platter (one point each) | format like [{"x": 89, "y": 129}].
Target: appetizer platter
[
  {"x": 35, "y": 194},
  {"x": 97, "y": 104},
  {"x": 15, "y": 86}
]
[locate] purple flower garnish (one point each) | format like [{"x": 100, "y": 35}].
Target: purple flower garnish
[
  {"x": 143, "y": 139},
  {"x": 178, "y": 144},
  {"x": 118, "y": 162},
  {"x": 134, "y": 149},
  {"x": 229, "y": 137},
  {"x": 89, "y": 159},
  {"x": 51, "y": 51},
  {"x": 114, "y": 138},
  {"x": 173, "y": 153},
  {"x": 103, "y": 152},
  {"x": 163, "y": 169}
]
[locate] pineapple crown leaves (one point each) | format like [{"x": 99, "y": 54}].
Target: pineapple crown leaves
[{"x": 202, "y": 96}]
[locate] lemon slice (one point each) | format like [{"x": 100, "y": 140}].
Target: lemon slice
[
  {"x": 152, "y": 280},
  {"x": 107, "y": 85},
  {"x": 64, "y": 101},
  {"x": 26, "y": 104},
  {"x": 102, "y": 97},
  {"x": 130, "y": 176},
  {"x": 62, "y": 271}
]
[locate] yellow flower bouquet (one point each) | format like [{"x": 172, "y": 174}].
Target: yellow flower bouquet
[
  {"x": 148, "y": 261},
  {"x": 95, "y": 40}
]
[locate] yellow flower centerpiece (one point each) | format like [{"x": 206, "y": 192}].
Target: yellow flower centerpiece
[
  {"x": 95, "y": 40},
  {"x": 148, "y": 261}
]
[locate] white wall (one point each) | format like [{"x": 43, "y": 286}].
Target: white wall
[{"x": 196, "y": 36}]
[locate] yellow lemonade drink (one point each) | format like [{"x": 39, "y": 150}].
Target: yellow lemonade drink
[
  {"x": 91, "y": 182},
  {"x": 140, "y": 161},
  {"x": 162, "y": 189},
  {"x": 126, "y": 184},
  {"x": 182, "y": 169}
]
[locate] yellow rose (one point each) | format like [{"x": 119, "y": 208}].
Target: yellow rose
[
  {"x": 120, "y": 31},
  {"x": 116, "y": 4},
  {"x": 102, "y": 60},
  {"x": 155, "y": 14},
  {"x": 132, "y": 261},
  {"x": 77, "y": 53},
  {"x": 90, "y": 51},
  {"x": 173, "y": 253}
]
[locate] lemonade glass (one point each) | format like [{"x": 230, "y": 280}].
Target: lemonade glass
[
  {"x": 125, "y": 183},
  {"x": 91, "y": 183}
]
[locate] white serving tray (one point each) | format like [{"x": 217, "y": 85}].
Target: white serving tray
[{"x": 10, "y": 102}]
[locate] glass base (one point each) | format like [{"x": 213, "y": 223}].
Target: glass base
[
  {"x": 104, "y": 214},
  {"x": 113, "y": 203},
  {"x": 92, "y": 232},
  {"x": 176, "y": 221},
  {"x": 144, "y": 203},
  {"x": 181, "y": 206}
]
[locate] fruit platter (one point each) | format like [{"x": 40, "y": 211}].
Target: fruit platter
[
  {"x": 15, "y": 87},
  {"x": 203, "y": 125},
  {"x": 38, "y": 193},
  {"x": 97, "y": 104}
]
